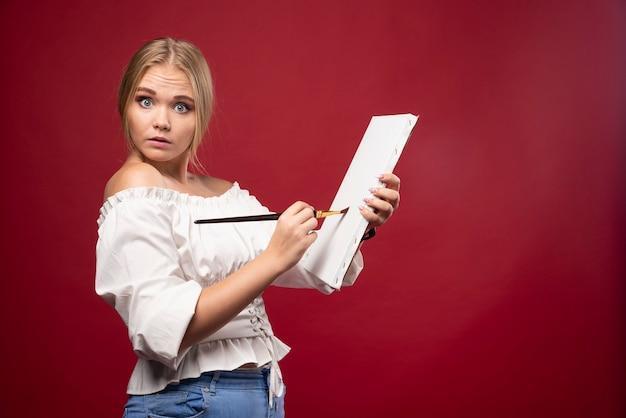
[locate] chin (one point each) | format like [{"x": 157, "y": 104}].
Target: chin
[{"x": 159, "y": 156}]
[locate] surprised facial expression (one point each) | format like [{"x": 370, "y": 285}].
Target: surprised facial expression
[{"x": 161, "y": 115}]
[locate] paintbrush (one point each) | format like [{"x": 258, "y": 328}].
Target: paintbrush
[{"x": 268, "y": 217}]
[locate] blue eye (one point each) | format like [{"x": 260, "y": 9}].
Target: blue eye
[
  {"x": 181, "y": 108},
  {"x": 144, "y": 101}
]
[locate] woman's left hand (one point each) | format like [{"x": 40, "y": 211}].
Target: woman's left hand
[{"x": 385, "y": 201}]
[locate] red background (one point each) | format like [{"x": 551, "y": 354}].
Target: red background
[{"x": 497, "y": 288}]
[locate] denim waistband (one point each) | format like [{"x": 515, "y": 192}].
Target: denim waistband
[{"x": 257, "y": 378}]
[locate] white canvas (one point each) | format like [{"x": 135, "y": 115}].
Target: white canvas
[{"x": 339, "y": 237}]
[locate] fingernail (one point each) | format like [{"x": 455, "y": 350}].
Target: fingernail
[
  {"x": 362, "y": 207},
  {"x": 373, "y": 189},
  {"x": 380, "y": 176}
]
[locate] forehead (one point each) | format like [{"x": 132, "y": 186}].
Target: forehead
[{"x": 166, "y": 79}]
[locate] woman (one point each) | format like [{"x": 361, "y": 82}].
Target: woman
[{"x": 190, "y": 294}]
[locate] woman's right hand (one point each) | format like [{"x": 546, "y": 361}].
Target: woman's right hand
[{"x": 293, "y": 235}]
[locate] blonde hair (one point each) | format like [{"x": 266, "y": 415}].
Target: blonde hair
[{"x": 188, "y": 58}]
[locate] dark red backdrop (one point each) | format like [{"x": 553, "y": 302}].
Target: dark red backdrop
[{"x": 497, "y": 289}]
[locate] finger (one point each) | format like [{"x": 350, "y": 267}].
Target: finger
[
  {"x": 310, "y": 224},
  {"x": 305, "y": 214},
  {"x": 296, "y": 208},
  {"x": 383, "y": 207},
  {"x": 310, "y": 238},
  {"x": 298, "y": 219},
  {"x": 373, "y": 219},
  {"x": 391, "y": 181},
  {"x": 390, "y": 195}
]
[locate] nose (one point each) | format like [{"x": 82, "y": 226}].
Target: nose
[{"x": 161, "y": 119}]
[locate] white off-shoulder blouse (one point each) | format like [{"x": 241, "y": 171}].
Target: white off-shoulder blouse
[{"x": 152, "y": 261}]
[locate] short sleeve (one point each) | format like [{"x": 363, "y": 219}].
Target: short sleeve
[
  {"x": 298, "y": 276},
  {"x": 137, "y": 273}
]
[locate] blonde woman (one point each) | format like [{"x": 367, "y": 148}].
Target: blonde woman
[{"x": 190, "y": 294}]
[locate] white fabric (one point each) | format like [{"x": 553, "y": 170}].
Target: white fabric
[{"x": 152, "y": 262}]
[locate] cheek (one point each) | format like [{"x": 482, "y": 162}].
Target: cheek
[
  {"x": 190, "y": 127},
  {"x": 136, "y": 122},
  {"x": 132, "y": 121}
]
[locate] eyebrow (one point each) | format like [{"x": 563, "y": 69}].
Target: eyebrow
[{"x": 152, "y": 92}]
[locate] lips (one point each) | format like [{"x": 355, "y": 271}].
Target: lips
[{"x": 161, "y": 139}]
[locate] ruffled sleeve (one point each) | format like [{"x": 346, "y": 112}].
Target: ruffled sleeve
[
  {"x": 137, "y": 273},
  {"x": 298, "y": 276}
]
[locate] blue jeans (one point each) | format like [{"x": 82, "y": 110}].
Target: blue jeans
[{"x": 219, "y": 394}]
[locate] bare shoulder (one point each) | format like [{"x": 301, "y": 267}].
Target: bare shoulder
[
  {"x": 136, "y": 174},
  {"x": 216, "y": 185}
]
